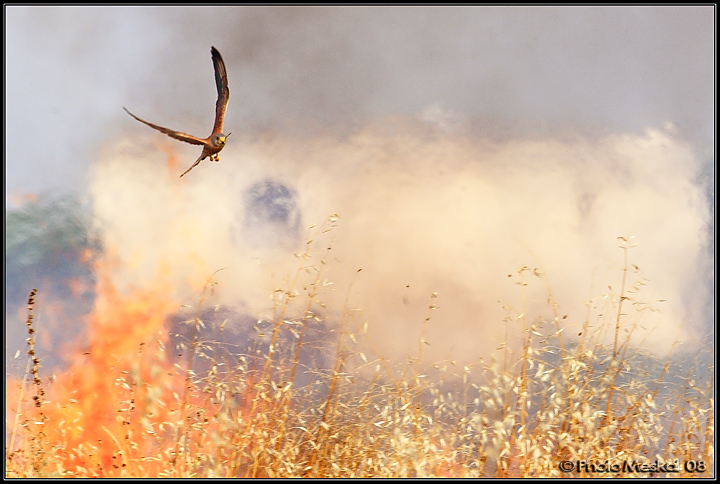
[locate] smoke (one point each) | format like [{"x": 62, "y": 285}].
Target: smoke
[
  {"x": 422, "y": 211},
  {"x": 457, "y": 144},
  {"x": 502, "y": 72}
]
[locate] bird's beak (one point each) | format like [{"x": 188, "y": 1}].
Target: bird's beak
[{"x": 226, "y": 136}]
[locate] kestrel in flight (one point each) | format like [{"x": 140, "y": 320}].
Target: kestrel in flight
[{"x": 213, "y": 144}]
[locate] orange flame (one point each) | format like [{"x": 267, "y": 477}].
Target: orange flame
[{"x": 120, "y": 387}]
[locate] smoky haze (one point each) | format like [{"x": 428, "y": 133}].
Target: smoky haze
[
  {"x": 456, "y": 144},
  {"x": 498, "y": 72},
  {"x": 420, "y": 214}
]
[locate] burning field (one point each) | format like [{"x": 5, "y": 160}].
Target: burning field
[{"x": 405, "y": 301}]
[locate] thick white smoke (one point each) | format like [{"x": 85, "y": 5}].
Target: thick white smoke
[{"x": 422, "y": 211}]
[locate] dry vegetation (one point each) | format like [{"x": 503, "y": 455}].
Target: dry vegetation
[{"x": 268, "y": 412}]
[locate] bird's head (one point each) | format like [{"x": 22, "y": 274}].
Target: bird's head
[{"x": 218, "y": 140}]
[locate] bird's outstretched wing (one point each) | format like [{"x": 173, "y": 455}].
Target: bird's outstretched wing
[
  {"x": 223, "y": 91},
  {"x": 202, "y": 157},
  {"x": 188, "y": 138}
]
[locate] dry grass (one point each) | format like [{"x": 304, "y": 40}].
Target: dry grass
[{"x": 231, "y": 413}]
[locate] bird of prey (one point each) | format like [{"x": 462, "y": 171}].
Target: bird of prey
[{"x": 213, "y": 144}]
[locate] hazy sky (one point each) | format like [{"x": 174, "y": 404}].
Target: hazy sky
[
  {"x": 456, "y": 144},
  {"x": 503, "y": 71}
]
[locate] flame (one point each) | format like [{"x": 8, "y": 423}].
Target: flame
[
  {"x": 117, "y": 388},
  {"x": 124, "y": 406},
  {"x": 122, "y": 409},
  {"x": 53, "y": 318}
]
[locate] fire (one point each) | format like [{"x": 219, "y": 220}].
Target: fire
[
  {"x": 118, "y": 388},
  {"x": 124, "y": 406}
]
